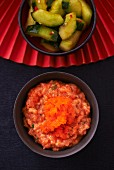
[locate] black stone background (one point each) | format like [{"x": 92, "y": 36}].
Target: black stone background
[{"x": 97, "y": 155}]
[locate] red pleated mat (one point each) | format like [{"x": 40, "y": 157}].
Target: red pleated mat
[{"x": 15, "y": 48}]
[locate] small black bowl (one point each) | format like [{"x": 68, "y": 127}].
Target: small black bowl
[
  {"x": 18, "y": 116},
  {"x": 34, "y": 41}
]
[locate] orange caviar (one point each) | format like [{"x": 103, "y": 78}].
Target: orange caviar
[{"x": 57, "y": 112}]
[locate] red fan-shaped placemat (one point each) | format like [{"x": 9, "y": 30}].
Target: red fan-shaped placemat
[{"x": 15, "y": 48}]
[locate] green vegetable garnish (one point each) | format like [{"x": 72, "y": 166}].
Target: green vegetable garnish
[{"x": 32, "y": 125}]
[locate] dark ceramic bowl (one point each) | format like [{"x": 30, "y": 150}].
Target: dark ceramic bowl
[
  {"x": 33, "y": 41},
  {"x": 18, "y": 116}
]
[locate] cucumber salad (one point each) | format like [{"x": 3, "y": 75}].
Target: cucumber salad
[{"x": 59, "y": 23}]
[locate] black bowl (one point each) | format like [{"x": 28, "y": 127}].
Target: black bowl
[
  {"x": 18, "y": 116},
  {"x": 33, "y": 41}
]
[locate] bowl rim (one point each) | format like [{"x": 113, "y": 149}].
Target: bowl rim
[
  {"x": 70, "y": 151},
  {"x": 56, "y": 53}
]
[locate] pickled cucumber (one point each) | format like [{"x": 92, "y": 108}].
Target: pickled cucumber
[
  {"x": 81, "y": 25},
  {"x": 49, "y": 45},
  {"x": 30, "y": 20},
  {"x": 56, "y": 7},
  {"x": 43, "y": 32},
  {"x": 65, "y": 4},
  {"x": 47, "y": 18},
  {"x": 86, "y": 12},
  {"x": 40, "y": 4},
  {"x": 72, "y": 6},
  {"x": 69, "y": 26},
  {"x": 49, "y": 3},
  {"x": 70, "y": 43}
]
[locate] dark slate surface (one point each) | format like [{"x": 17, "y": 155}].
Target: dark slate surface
[{"x": 99, "y": 153}]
